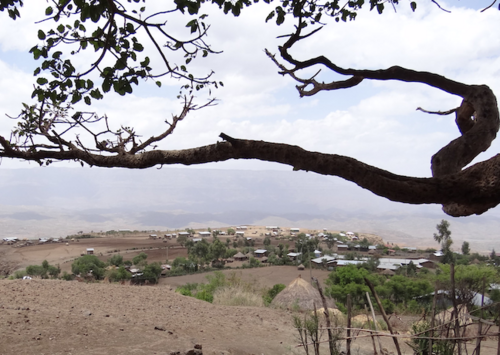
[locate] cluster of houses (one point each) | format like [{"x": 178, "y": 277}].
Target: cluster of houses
[
  {"x": 27, "y": 242},
  {"x": 386, "y": 265}
]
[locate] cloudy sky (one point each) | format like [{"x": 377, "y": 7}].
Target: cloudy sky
[{"x": 375, "y": 122}]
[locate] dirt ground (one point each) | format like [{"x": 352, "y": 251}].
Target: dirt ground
[{"x": 60, "y": 317}]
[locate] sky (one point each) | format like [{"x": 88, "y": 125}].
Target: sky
[{"x": 375, "y": 122}]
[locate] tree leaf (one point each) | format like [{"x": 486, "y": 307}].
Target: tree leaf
[{"x": 41, "y": 35}]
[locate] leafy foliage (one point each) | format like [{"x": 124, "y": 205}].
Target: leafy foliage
[
  {"x": 116, "y": 260},
  {"x": 43, "y": 271},
  {"x": 272, "y": 292},
  {"x": 89, "y": 264},
  {"x": 139, "y": 258}
]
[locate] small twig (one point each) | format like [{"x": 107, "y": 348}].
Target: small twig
[
  {"x": 486, "y": 8},
  {"x": 435, "y": 2}
]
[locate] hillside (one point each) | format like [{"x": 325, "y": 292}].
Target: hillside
[{"x": 60, "y": 317}]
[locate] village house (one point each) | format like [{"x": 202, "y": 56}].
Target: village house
[
  {"x": 204, "y": 234},
  {"x": 240, "y": 257},
  {"x": 342, "y": 248},
  {"x": 293, "y": 256},
  {"x": 90, "y": 251},
  {"x": 323, "y": 259},
  {"x": 259, "y": 253}
]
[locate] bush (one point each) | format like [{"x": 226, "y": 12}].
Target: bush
[
  {"x": 388, "y": 306},
  {"x": 116, "y": 260},
  {"x": 67, "y": 277},
  {"x": 272, "y": 292},
  {"x": 138, "y": 258},
  {"x": 414, "y": 307},
  {"x": 36, "y": 270},
  {"x": 205, "y": 295},
  {"x": 19, "y": 274},
  {"x": 152, "y": 272},
  {"x": 89, "y": 264},
  {"x": 119, "y": 274}
]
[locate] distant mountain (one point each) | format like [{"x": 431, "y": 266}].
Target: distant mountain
[{"x": 60, "y": 201}]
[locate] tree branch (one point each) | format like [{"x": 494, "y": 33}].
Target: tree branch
[{"x": 474, "y": 190}]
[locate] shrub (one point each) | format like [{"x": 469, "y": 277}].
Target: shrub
[
  {"x": 388, "y": 306},
  {"x": 116, "y": 260},
  {"x": 138, "y": 258},
  {"x": 414, "y": 307},
  {"x": 19, "y": 274},
  {"x": 36, "y": 270},
  {"x": 89, "y": 264},
  {"x": 204, "y": 295},
  {"x": 67, "y": 277},
  {"x": 272, "y": 292}
]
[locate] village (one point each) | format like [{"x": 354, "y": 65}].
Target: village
[{"x": 259, "y": 267}]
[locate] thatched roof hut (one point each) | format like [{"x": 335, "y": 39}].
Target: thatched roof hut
[
  {"x": 300, "y": 267},
  {"x": 300, "y": 294},
  {"x": 240, "y": 256}
]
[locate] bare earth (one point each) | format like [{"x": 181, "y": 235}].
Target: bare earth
[{"x": 60, "y": 317}]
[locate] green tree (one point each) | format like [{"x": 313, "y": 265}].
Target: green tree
[
  {"x": 152, "y": 272},
  {"x": 444, "y": 238},
  {"x": 182, "y": 239},
  {"x": 53, "y": 271},
  {"x": 231, "y": 231},
  {"x": 116, "y": 260},
  {"x": 201, "y": 251},
  {"x": 36, "y": 271},
  {"x": 444, "y": 232},
  {"x": 217, "y": 250},
  {"x": 468, "y": 279},
  {"x": 139, "y": 258},
  {"x": 330, "y": 240},
  {"x": 465, "y": 248},
  {"x": 267, "y": 241},
  {"x": 348, "y": 280},
  {"x": 89, "y": 264}
]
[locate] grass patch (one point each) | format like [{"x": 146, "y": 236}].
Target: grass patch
[{"x": 237, "y": 296}]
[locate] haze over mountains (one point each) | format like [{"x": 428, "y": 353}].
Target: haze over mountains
[{"x": 56, "y": 202}]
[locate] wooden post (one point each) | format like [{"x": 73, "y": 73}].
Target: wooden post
[
  {"x": 498, "y": 345},
  {"x": 395, "y": 339},
  {"x": 433, "y": 316},
  {"x": 480, "y": 325},
  {"x": 331, "y": 342},
  {"x": 374, "y": 321},
  {"x": 455, "y": 309},
  {"x": 371, "y": 333},
  {"x": 349, "y": 310}
]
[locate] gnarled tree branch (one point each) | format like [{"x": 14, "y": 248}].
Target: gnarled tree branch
[
  {"x": 477, "y": 187},
  {"x": 477, "y": 117}
]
